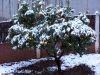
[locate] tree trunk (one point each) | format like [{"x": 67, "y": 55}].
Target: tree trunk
[{"x": 58, "y": 63}]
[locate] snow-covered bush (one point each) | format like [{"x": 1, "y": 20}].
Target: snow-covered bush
[
  {"x": 29, "y": 17},
  {"x": 53, "y": 29}
]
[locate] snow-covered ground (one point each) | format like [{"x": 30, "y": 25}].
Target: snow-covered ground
[
  {"x": 8, "y": 68},
  {"x": 69, "y": 61}
]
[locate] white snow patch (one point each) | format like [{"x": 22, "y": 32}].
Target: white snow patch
[
  {"x": 92, "y": 60},
  {"x": 8, "y": 68},
  {"x": 69, "y": 61},
  {"x": 53, "y": 68},
  {"x": 29, "y": 12}
]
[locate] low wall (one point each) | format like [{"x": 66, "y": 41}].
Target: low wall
[{"x": 9, "y": 55}]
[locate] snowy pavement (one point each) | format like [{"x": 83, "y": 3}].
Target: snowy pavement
[{"x": 69, "y": 61}]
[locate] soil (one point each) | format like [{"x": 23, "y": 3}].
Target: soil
[{"x": 40, "y": 68}]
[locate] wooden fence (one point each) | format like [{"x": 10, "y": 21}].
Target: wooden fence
[{"x": 8, "y": 8}]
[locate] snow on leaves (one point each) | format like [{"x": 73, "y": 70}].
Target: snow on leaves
[
  {"x": 29, "y": 12},
  {"x": 55, "y": 22}
]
